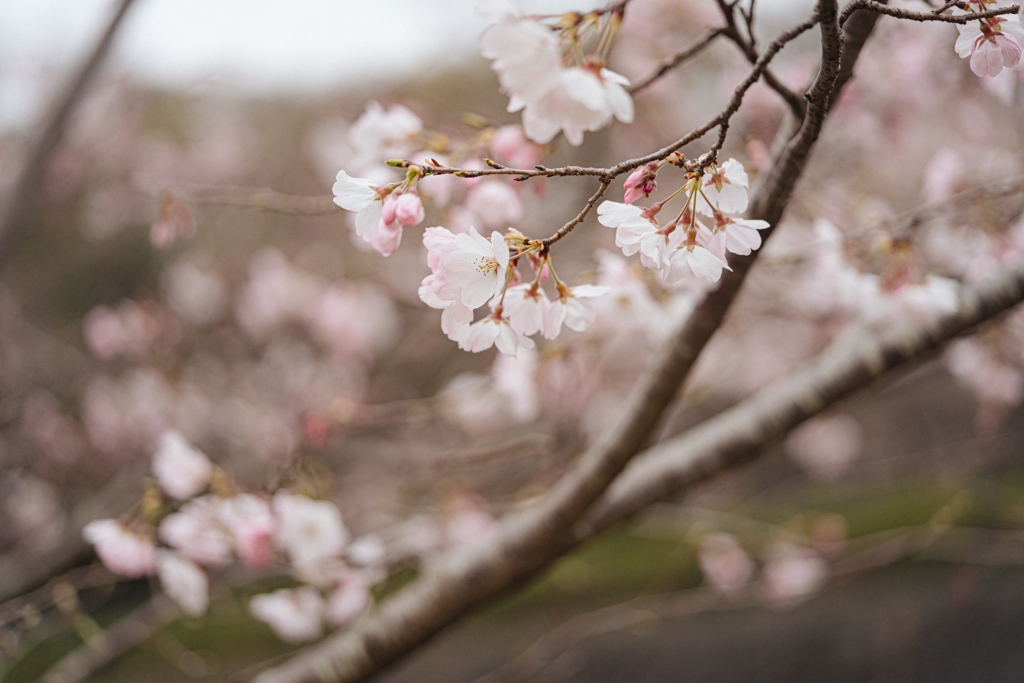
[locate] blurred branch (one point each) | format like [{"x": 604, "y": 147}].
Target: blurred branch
[
  {"x": 899, "y": 13},
  {"x": 527, "y": 541},
  {"x": 678, "y": 58},
  {"x": 738, "y": 433},
  {"x": 32, "y": 174},
  {"x": 127, "y": 633},
  {"x": 261, "y": 200}
]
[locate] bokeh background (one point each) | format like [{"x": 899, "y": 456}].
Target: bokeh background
[{"x": 160, "y": 285}]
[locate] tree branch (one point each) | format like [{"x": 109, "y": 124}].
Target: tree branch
[
  {"x": 32, "y": 173},
  {"x": 678, "y": 58},
  {"x": 740, "y": 432},
  {"x": 528, "y": 540}
]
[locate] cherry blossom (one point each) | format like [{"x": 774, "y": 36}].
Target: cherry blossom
[
  {"x": 437, "y": 292},
  {"x": 992, "y": 43},
  {"x": 121, "y": 551},
  {"x": 496, "y": 203},
  {"x": 724, "y": 563},
  {"x": 181, "y": 470},
  {"x": 636, "y": 229},
  {"x": 826, "y": 446},
  {"x": 526, "y": 307},
  {"x": 184, "y": 582},
  {"x": 362, "y": 197},
  {"x": 792, "y": 573},
  {"x": 641, "y": 182},
  {"x": 380, "y": 134},
  {"x": 725, "y": 187},
  {"x": 691, "y": 257},
  {"x": 511, "y": 147},
  {"x": 253, "y": 527},
  {"x": 348, "y": 600},
  {"x": 741, "y": 236},
  {"x": 494, "y": 330},
  {"x": 310, "y": 531},
  {"x": 197, "y": 532},
  {"x": 296, "y": 615},
  {"x": 477, "y": 267},
  {"x": 553, "y": 96},
  {"x": 572, "y": 307}
]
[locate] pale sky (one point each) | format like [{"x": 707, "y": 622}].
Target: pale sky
[{"x": 243, "y": 45}]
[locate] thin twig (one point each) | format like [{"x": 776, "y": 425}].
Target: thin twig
[
  {"x": 678, "y": 58},
  {"x": 911, "y": 15}
]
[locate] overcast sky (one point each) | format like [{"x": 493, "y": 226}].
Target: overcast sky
[{"x": 247, "y": 45}]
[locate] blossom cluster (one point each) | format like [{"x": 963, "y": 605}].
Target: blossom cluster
[
  {"x": 185, "y": 535},
  {"x": 684, "y": 245},
  {"x": 543, "y": 70},
  {"x": 993, "y": 43}
]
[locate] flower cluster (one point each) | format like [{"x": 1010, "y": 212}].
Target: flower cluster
[
  {"x": 992, "y": 43},
  {"x": 209, "y": 531},
  {"x": 542, "y": 68},
  {"x": 467, "y": 271},
  {"x": 684, "y": 245}
]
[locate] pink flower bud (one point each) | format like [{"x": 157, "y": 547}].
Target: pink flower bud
[
  {"x": 408, "y": 209},
  {"x": 390, "y": 208}
]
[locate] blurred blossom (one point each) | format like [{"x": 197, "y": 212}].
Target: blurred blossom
[
  {"x": 791, "y": 574},
  {"x": 348, "y": 600},
  {"x": 511, "y": 148},
  {"x": 310, "y": 531},
  {"x": 124, "y": 416},
  {"x": 121, "y": 551},
  {"x": 197, "y": 531},
  {"x": 198, "y": 295},
  {"x": 515, "y": 380},
  {"x": 184, "y": 582},
  {"x": 826, "y": 446},
  {"x": 294, "y": 614},
  {"x": 181, "y": 470},
  {"x": 366, "y": 551},
  {"x": 724, "y": 563},
  {"x": 58, "y": 437},
  {"x": 275, "y": 295},
  {"x": 253, "y": 526},
  {"x": 496, "y": 204},
  {"x": 354, "y": 321},
  {"x": 996, "y": 385},
  {"x": 944, "y": 175},
  {"x": 174, "y": 222},
  {"x": 129, "y": 330},
  {"x": 467, "y": 520},
  {"x": 35, "y": 510}
]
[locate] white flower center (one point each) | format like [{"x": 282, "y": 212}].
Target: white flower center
[{"x": 485, "y": 265}]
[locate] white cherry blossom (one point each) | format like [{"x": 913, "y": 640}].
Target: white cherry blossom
[
  {"x": 181, "y": 470},
  {"x": 741, "y": 236},
  {"x": 310, "y": 531},
  {"x": 196, "y": 531},
  {"x": 296, "y": 615},
  {"x": 573, "y": 308},
  {"x": 526, "y": 308},
  {"x": 184, "y": 582},
  {"x": 364, "y": 198},
  {"x": 494, "y": 330},
  {"x": 725, "y": 187},
  {"x": 992, "y": 43},
  {"x": 696, "y": 259},
  {"x": 121, "y": 551},
  {"x": 477, "y": 267}
]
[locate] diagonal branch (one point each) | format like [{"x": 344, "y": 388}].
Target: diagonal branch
[
  {"x": 32, "y": 173},
  {"x": 678, "y": 58},
  {"x": 529, "y": 540},
  {"x": 740, "y": 432}
]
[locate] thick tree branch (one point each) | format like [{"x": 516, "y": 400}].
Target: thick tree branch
[
  {"x": 740, "y": 432},
  {"x": 528, "y": 540},
  {"x": 32, "y": 173}
]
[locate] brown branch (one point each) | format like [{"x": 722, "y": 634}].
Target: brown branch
[
  {"x": 528, "y": 540},
  {"x": 127, "y": 633},
  {"x": 899, "y": 13},
  {"x": 32, "y": 175},
  {"x": 567, "y": 228},
  {"x": 740, "y": 432},
  {"x": 678, "y": 58}
]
